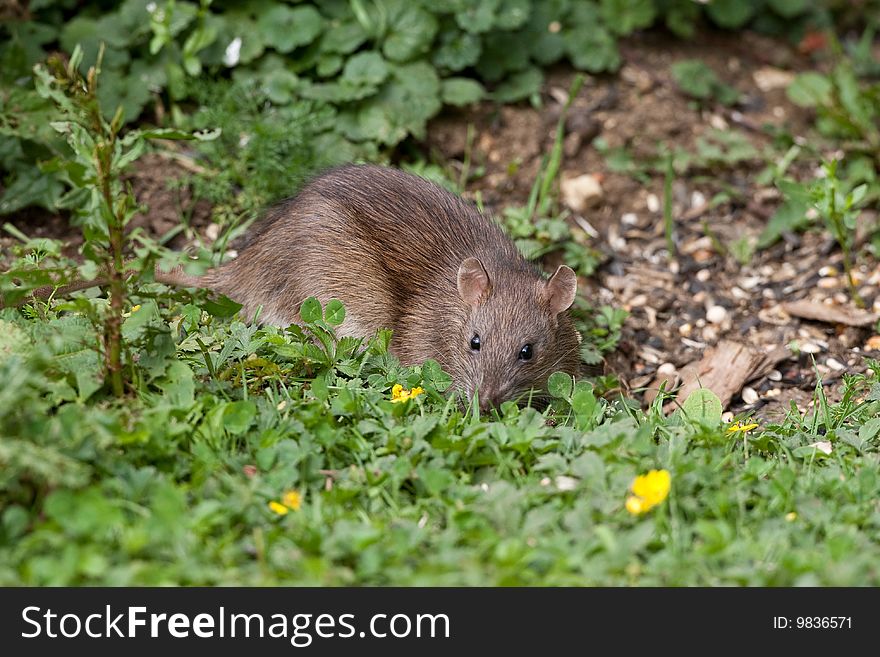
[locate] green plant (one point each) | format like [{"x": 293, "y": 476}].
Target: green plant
[
  {"x": 837, "y": 203},
  {"x": 97, "y": 198},
  {"x": 839, "y": 209},
  {"x": 699, "y": 81},
  {"x": 847, "y": 108}
]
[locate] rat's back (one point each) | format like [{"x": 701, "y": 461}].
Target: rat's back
[{"x": 380, "y": 240}]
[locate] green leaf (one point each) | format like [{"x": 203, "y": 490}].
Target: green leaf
[
  {"x": 13, "y": 341},
  {"x": 433, "y": 375},
  {"x": 695, "y": 78},
  {"x": 512, "y": 14},
  {"x": 592, "y": 49},
  {"x": 403, "y": 106},
  {"x": 476, "y": 16},
  {"x": 221, "y": 307},
  {"x": 120, "y": 89},
  {"x": 790, "y": 8},
  {"x": 28, "y": 186},
  {"x": 284, "y": 28},
  {"x": 162, "y": 133},
  {"x": 334, "y": 313},
  {"x": 703, "y": 406},
  {"x": 411, "y": 30},
  {"x": 461, "y": 91},
  {"x": 584, "y": 404},
  {"x": 179, "y": 385},
  {"x": 810, "y": 90},
  {"x": 343, "y": 38},
  {"x": 457, "y": 50},
  {"x": 365, "y": 68},
  {"x": 626, "y": 16},
  {"x": 519, "y": 86},
  {"x": 731, "y": 14},
  {"x": 791, "y": 216},
  {"x": 869, "y": 430},
  {"x": 310, "y": 311},
  {"x": 560, "y": 385},
  {"x": 238, "y": 416}
]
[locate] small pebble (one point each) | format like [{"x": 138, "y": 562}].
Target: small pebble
[
  {"x": 581, "y": 192},
  {"x": 716, "y": 314},
  {"x": 835, "y": 364},
  {"x": 718, "y": 122},
  {"x": 810, "y": 348},
  {"x": 749, "y": 396},
  {"x": 685, "y": 329},
  {"x": 566, "y": 483},
  {"x": 873, "y": 343},
  {"x": 666, "y": 369},
  {"x": 629, "y": 218},
  {"x": 827, "y": 270},
  {"x": 704, "y": 275},
  {"x": 653, "y": 203},
  {"x": 774, "y": 375},
  {"x": 827, "y": 282}
]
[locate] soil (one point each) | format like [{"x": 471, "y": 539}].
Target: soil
[{"x": 681, "y": 304}]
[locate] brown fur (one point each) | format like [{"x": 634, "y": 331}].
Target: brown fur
[{"x": 389, "y": 246}]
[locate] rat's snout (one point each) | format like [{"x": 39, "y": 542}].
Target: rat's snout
[{"x": 490, "y": 398}]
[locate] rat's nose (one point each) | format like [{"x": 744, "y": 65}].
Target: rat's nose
[{"x": 489, "y": 400}]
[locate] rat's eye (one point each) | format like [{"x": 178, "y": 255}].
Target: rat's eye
[
  {"x": 526, "y": 352},
  {"x": 475, "y": 342}
]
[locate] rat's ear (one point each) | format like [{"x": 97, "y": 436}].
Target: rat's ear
[
  {"x": 560, "y": 290},
  {"x": 473, "y": 282}
]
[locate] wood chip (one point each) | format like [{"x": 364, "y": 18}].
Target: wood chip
[
  {"x": 723, "y": 369},
  {"x": 821, "y": 312}
]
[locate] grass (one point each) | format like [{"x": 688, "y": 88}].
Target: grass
[{"x": 173, "y": 485}]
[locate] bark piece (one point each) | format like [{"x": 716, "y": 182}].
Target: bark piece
[
  {"x": 723, "y": 369},
  {"x": 829, "y": 314}
]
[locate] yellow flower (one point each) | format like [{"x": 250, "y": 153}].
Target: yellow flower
[
  {"x": 400, "y": 394},
  {"x": 278, "y": 508},
  {"x": 648, "y": 491},
  {"x": 736, "y": 426},
  {"x": 791, "y": 516},
  {"x": 291, "y": 501}
]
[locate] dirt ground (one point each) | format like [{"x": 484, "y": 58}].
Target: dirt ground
[{"x": 681, "y": 306}]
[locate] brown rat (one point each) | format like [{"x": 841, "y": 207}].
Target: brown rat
[{"x": 405, "y": 254}]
